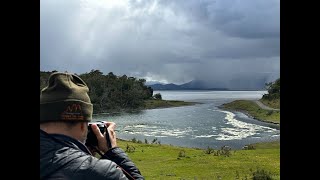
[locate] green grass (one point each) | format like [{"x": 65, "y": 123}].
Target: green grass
[
  {"x": 152, "y": 104},
  {"x": 253, "y": 110},
  {"x": 163, "y": 162},
  {"x": 267, "y": 145},
  {"x": 275, "y": 103}
]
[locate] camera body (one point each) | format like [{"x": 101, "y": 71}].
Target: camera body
[{"x": 91, "y": 137}]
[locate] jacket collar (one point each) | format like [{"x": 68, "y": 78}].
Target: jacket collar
[{"x": 66, "y": 141}]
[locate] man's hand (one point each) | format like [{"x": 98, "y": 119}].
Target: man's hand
[
  {"x": 92, "y": 150},
  {"x": 102, "y": 142}
]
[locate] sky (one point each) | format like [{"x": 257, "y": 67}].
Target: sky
[{"x": 221, "y": 42}]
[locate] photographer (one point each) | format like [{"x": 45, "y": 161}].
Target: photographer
[{"x": 65, "y": 111}]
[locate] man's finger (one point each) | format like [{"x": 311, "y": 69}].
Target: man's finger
[
  {"x": 96, "y": 131},
  {"x": 110, "y": 125}
]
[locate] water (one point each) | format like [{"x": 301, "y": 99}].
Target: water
[{"x": 200, "y": 125}]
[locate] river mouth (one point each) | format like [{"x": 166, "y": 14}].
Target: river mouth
[
  {"x": 200, "y": 126},
  {"x": 234, "y": 130}
]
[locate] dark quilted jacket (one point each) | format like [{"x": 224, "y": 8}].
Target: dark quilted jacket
[{"x": 62, "y": 157}]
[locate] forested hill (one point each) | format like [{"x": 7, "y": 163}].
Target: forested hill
[
  {"x": 272, "y": 99},
  {"x": 273, "y": 90},
  {"x": 111, "y": 92}
]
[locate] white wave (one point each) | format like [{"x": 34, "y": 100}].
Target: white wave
[
  {"x": 160, "y": 136},
  {"x": 156, "y": 131},
  {"x": 180, "y": 136},
  {"x": 240, "y": 130},
  {"x": 269, "y": 131},
  {"x": 132, "y": 132},
  {"x": 140, "y": 126},
  {"x": 205, "y": 136}
]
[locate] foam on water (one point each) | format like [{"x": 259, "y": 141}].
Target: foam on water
[
  {"x": 232, "y": 129},
  {"x": 200, "y": 125},
  {"x": 239, "y": 129},
  {"x": 156, "y": 131}
]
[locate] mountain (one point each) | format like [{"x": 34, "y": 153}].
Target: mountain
[
  {"x": 240, "y": 83},
  {"x": 148, "y": 83},
  {"x": 165, "y": 86},
  {"x": 195, "y": 84},
  {"x": 192, "y": 85}
]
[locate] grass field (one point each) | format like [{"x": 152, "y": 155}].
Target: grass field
[
  {"x": 157, "y": 161},
  {"x": 253, "y": 110},
  {"x": 275, "y": 103}
]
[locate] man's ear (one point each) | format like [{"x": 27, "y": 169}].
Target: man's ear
[{"x": 83, "y": 126}]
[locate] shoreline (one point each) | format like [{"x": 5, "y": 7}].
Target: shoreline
[
  {"x": 165, "y": 104},
  {"x": 197, "y": 148},
  {"x": 253, "y": 111},
  {"x": 248, "y": 114},
  {"x": 192, "y": 103}
]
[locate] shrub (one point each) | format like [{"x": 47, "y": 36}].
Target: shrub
[
  {"x": 130, "y": 149},
  {"x": 157, "y": 96},
  {"x": 209, "y": 150},
  {"x": 269, "y": 112},
  {"x": 225, "y": 151},
  {"x": 154, "y": 140},
  {"x": 182, "y": 153},
  {"x": 134, "y": 140},
  {"x": 248, "y": 147},
  {"x": 261, "y": 174}
]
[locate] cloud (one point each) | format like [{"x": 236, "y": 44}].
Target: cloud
[{"x": 172, "y": 41}]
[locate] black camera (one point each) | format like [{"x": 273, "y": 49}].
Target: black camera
[{"x": 91, "y": 137}]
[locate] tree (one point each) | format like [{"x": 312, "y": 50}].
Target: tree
[
  {"x": 273, "y": 89},
  {"x": 111, "y": 92},
  {"x": 157, "y": 96}
]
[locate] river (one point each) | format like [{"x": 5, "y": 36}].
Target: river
[{"x": 199, "y": 125}]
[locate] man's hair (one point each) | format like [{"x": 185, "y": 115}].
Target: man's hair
[{"x": 67, "y": 124}]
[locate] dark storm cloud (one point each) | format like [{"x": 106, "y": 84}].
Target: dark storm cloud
[{"x": 170, "y": 41}]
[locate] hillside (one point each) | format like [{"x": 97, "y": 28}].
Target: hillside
[
  {"x": 249, "y": 84},
  {"x": 252, "y": 109},
  {"x": 192, "y": 85},
  {"x": 271, "y": 99}
]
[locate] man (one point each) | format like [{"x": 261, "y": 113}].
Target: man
[{"x": 65, "y": 110}]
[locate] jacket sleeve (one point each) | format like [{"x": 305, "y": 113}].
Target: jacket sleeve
[
  {"x": 118, "y": 156},
  {"x": 89, "y": 167}
]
